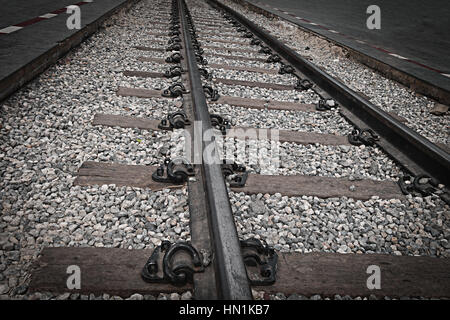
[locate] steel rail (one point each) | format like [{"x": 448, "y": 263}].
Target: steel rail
[
  {"x": 231, "y": 274},
  {"x": 205, "y": 283},
  {"x": 414, "y": 152}
]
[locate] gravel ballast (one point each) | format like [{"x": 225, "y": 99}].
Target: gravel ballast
[
  {"x": 46, "y": 135},
  {"x": 330, "y": 122},
  {"x": 414, "y": 226}
]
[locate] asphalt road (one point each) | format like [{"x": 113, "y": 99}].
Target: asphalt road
[{"x": 17, "y": 11}]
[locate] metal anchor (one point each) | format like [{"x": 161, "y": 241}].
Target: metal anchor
[
  {"x": 174, "y": 47},
  {"x": 422, "y": 185},
  {"x": 175, "y": 71},
  {"x": 177, "y": 266},
  {"x": 174, "y": 58},
  {"x": 175, "y": 39},
  {"x": 273, "y": 58},
  {"x": 205, "y": 73},
  {"x": 235, "y": 174},
  {"x": 200, "y": 59},
  {"x": 212, "y": 93},
  {"x": 176, "y": 120},
  {"x": 174, "y": 171},
  {"x": 260, "y": 261},
  {"x": 220, "y": 123},
  {"x": 285, "y": 69},
  {"x": 175, "y": 90},
  {"x": 303, "y": 84},
  {"x": 365, "y": 136},
  {"x": 325, "y": 105},
  {"x": 198, "y": 50},
  {"x": 265, "y": 50}
]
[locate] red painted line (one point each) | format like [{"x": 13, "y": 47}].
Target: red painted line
[
  {"x": 325, "y": 28},
  {"x": 59, "y": 11},
  {"x": 65, "y": 8},
  {"x": 28, "y": 22},
  {"x": 424, "y": 66},
  {"x": 381, "y": 49}
]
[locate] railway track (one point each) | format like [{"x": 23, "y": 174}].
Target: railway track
[{"x": 298, "y": 173}]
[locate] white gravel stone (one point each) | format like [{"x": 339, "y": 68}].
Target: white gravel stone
[
  {"x": 3, "y": 288},
  {"x": 136, "y": 296},
  {"x": 329, "y": 123},
  {"x": 186, "y": 295},
  {"x": 412, "y": 226}
]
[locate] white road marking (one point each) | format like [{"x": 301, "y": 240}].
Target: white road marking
[
  {"x": 398, "y": 56},
  {"x": 48, "y": 15},
  {"x": 10, "y": 29}
]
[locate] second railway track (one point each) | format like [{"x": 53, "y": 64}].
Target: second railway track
[{"x": 324, "y": 175}]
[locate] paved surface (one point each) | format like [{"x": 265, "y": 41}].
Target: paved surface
[
  {"x": 20, "y": 47},
  {"x": 16, "y": 11},
  {"x": 412, "y": 29}
]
